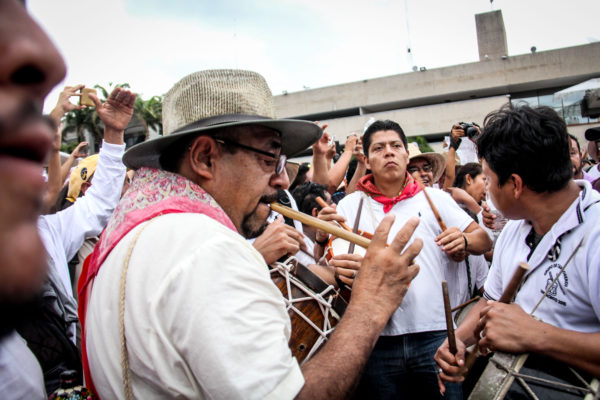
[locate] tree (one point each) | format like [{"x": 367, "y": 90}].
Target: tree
[
  {"x": 422, "y": 143},
  {"x": 146, "y": 112}
]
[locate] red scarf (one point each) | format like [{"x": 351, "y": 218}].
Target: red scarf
[
  {"x": 367, "y": 185},
  {"x": 152, "y": 193}
]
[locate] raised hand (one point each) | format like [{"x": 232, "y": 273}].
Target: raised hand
[
  {"x": 117, "y": 110},
  {"x": 387, "y": 271},
  {"x": 64, "y": 105}
]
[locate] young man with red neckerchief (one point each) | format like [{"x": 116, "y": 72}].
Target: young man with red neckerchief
[{"x": 402, "y": 365}]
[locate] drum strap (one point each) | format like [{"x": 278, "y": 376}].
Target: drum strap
[{"x": 124, "y": 356}]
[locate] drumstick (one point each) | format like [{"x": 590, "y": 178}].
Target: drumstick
[
  {"x": 513, "y": 286},
  {"x": 466, "y": 303},
  {"x": 323, "y": 203},
  {"x": 324, "y": 226},
  {"x": 507, "y": 296},
  {"x": 438, "y": 217},
  {"x": 356, "y": 223},
  {"x": 449, "y": 323}
]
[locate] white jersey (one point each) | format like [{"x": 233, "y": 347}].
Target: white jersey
[
  {"x": 573, "y": 300},
  {"x": 422, "y": 309}
]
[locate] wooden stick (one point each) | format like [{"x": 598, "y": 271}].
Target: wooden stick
[
  {"x": 324, "y": 226},
  {"x": 515, "y": 282},
  {"x": 466, "y": 303},
  {"x": 356, "y": 223},
  {"x": 507, "y": 296},
  {"x": 449, "y": 322},
  {"x": 323, "y": 203},
  {"x": 435, "y": 211}
]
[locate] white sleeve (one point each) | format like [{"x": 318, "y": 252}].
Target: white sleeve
[
  {"x": 450, "y": 212},
  {"x": 227, "y": 318},
  {"x": 90, "y": 213}
]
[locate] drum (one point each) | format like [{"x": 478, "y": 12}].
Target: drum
[
  {"x": 338, "y": 245},
  {"x": 532, "y": 376},
  {"x": 314, "y": 306},
  {"x": 462, "y": 312}
]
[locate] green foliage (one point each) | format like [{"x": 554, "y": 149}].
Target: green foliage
[
  {"x": 422, "y": 143},
  {"x": 148, "y": 112},
  {"x": 68, "y": 147}
]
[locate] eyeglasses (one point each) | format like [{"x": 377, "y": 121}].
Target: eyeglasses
[
  {"x": 426, "y": 168},
  {"x": 281, "y": 160}
]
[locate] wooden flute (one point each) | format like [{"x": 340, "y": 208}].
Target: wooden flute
[{"x": 324, "y": 226}]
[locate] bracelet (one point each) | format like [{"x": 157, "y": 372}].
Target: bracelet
[
  {"x": 466, "y": 242},
  {"x": 322, "y": 243}
]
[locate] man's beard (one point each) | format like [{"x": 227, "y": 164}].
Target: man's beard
[{"x": 249, "y": 230}]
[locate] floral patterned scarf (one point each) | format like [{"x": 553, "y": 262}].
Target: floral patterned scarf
[{"x": 152, "y": 193}]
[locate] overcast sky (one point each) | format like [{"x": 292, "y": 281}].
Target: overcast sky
[{"x": 294, "y": 44}]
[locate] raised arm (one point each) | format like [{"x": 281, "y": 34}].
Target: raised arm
[
  {"x": 319, "y": 161},
  {"x": 338, "y": 170}
]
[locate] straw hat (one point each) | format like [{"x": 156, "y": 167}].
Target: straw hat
[
  {"x": 437, "y": 161},
  {"x": 206, "y": 101}
]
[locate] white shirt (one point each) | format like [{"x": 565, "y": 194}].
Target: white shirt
[
  {"x": 594, "y": 172},
  {"x": 574, "y": 301},
  {"x": 422, "y": 309},
  {"x": 21, "y": 376},
  {"x": 63, "y": 233},
  {"x": 203, "y": 318},
  {"x": 458, "y": 280}
]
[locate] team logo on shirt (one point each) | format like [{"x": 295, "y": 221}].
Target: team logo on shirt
[{"x": 556, "y": 287}]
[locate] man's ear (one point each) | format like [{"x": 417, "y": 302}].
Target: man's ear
[
  {"x": 203, "y": 152},
  {"x": 315, "y": 212},
  {"x": 367, "y": 162},
  {"x": 84, "y": 186},
  {"x": 517, "y": 185}
]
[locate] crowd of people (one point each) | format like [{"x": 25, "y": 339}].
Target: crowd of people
[{"x": 144, "y": 273}]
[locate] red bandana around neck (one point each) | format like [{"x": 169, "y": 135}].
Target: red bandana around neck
[{"x": 367, "y": 185}]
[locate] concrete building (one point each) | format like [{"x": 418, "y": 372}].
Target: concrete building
[{"x": 427, "y": 102}]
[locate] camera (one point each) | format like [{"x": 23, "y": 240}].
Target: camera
[{"x": 470, "y": 129}]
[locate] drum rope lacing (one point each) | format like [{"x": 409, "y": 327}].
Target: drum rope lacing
[
  {"x": 285, "y": 270},
  {"x": 512, "y": 370}
]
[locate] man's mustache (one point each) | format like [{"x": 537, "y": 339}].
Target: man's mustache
[{"x": 12, "y": 121}]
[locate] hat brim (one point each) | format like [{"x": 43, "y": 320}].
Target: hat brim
[
  {"x": 437, "y": 161},
  {"x": 296, "y": 136},
  {"x": 592, "y": 134}
]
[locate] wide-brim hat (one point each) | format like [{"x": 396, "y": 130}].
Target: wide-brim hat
[
  {"x": 592, "y": 134},
  {"x": 211, "y": 100},
  {"x": 437, "y": 161}
]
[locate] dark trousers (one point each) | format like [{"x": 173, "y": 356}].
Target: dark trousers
[{"x": 402, "y": 367}]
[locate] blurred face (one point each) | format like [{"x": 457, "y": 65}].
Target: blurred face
[
  {"x": 575, "y": 159},
  {"x": 421, "y": 170},
  {"x": 249, "y": 181},
  {"x": 476, "y": 187},
  {"x": 388, "y": 157},
  {"x": 30, "y": 67},
  {"x": 502, "y": 196}
]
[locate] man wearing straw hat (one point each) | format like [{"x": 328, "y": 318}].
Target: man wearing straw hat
[{"x": 175, "y": 303}]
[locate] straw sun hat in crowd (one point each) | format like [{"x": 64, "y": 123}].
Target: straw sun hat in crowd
[
  {"x": 436, "y": 160},
  {"x": 206, "y": 101}
]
